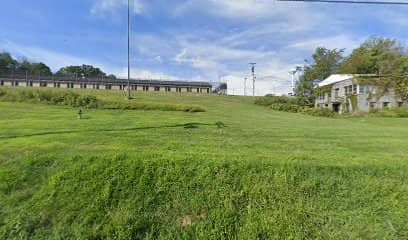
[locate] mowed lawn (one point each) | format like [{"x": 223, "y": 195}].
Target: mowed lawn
[{"x": 144, "y": 175}]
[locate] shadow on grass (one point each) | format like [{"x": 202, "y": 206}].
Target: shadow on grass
[{"x": 190, "y": 125}]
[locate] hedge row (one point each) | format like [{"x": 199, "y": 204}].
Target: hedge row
[
  {"x": 293, "y": 105},
  {"x": 72, "y": 99}
]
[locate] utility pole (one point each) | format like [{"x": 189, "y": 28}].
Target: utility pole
[
  {"x": 253, "y": 77},
  {"x": 245, "y": 85},
  {"x": 128, "y": 83}
]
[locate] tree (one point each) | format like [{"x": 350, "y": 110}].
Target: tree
[
  {"x": 325, "y": 62},
  {"x": 34, "y": 68},
  {"x": 374, "y": 56},
  {"x": 7, "y": 63},
  {"x": 84, "y": 71}
]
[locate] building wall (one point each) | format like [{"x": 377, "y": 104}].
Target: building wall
[
  {"x": 77, "y": 85},
  {"x": 365, "y": 99}
]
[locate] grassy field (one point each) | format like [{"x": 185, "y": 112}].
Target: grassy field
[{"x": 136, "y": 174}]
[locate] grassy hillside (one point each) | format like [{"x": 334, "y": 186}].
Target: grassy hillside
[{"x": 137, "y": 174}]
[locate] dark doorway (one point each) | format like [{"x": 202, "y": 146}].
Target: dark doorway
[{"x": 336, "y": 107}]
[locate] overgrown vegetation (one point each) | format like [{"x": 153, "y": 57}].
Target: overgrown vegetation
[
  {"x": 390, "y": 112},
  {"x": 293, "y": 105},
  {"x": 73, "y": 99}
]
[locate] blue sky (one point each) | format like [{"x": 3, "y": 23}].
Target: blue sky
[{"x": 192, "y": 39}]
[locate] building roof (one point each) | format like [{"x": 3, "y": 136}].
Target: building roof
[{"x": 335, "y": 78}]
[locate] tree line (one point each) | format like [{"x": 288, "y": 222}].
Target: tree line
[
  {"x": 9, "y": 65},
  {"x": 384, "y": 57}
]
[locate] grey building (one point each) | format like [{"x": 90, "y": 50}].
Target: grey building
[{"x": 345, "y": 93}]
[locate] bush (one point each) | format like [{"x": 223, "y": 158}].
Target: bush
[
  {"x": 391, "y": 112},
  {"x": 268, "y": 101},
  {"x": 72, "y": 99},
  {"x": 318, "y": 112}
]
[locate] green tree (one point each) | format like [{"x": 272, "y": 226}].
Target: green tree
[
  {"x": 324, "y": 63},
  {"x": 375, "y": 56},
  {"x": 7, "y": 63},
  {"x": 84, "y": 71}
]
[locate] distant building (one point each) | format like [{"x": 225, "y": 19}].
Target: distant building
[
  {"x": 108, "y": 84},
  {"x": 346, "y": 93}
]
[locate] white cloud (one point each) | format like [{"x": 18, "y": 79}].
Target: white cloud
[
  {"x": 340, "y": 41},
  {"x": 103, "y": 7}
]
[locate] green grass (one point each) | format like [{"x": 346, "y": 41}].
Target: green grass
[{"x": 236, "y": 171}]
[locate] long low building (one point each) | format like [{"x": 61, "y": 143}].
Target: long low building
[{"x": 109, "y": 84}]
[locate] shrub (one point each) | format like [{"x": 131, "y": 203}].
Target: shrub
[
  {"x": 391, "y": 112},
  {"x": 318, "y": 112},
  {"x": 72, "y": 99}
]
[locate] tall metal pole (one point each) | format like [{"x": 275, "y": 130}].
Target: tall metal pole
[
  {"x": 253, "y": 77},
  {"x": 245, "y": 85},
  {"x": 128, "y": 50}
]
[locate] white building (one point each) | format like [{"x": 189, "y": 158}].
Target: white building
[{"x": 346, "y": 93}]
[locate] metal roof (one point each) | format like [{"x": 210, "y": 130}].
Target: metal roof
[{"x": 335, "y": 78}]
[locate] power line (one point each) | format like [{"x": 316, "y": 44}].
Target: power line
[{"x": 349, "y": 2}]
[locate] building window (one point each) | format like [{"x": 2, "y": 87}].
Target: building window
[
  {"x": 43, "y": 84},
  {"x": 15, "y": 83},
  {"x": 198, "y": 90},
  {"x": 30, "y": 83},
  {"x": 189, "y": 90},
  {"x": 1, "y": 82},
  {"x": 372, "y": 105},
  {"x": 336, "y": 92},
  {"x": 354, "y": 89},
  {"x": 57, "y": 85},
  {"x": 386, "y": 104},
  {"x": 179, "y": 90},
  {"x": 400, "y": 104},
  {"x": 208, "y": 90},
  {"x": 362, "y": 90},
  {"x": 157, "y": 89},
  {"x": 168, "y": 89},
  {"x": 145, "y": 88},
  {"x": 108, "y": 86}
]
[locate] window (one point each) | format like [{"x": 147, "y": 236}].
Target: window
[
  {"x": 108, "y": 86},
  {"x": 362, "y": 90},
  {"x": 189, "y": 90},
  {"x": 83, "y": 85},
  {"x": 372, "y": 105},
  {"x": 178, "y": 90},
  {"x": 157, "y": 89},
  {"x": 1, "y": 82},
  {"x": 145, "y": 88},
  {"x": 198, "y": 90},
  {"x": 168, "y": 89},
  {"x": 30, "y": 83},
  {"x": 43, "y": 84},
  {"x": 386, "y": 104},
  {"x": 208, "y": 90},
  {"x": 400, "y": 104},
  {"x": 345, "y": 90},
  {"x": 354, "y": 89},
  {"x": 336, "y": 92},
  {"x": 15, "y": 83},
  {"x": 57, "y": 85}
]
